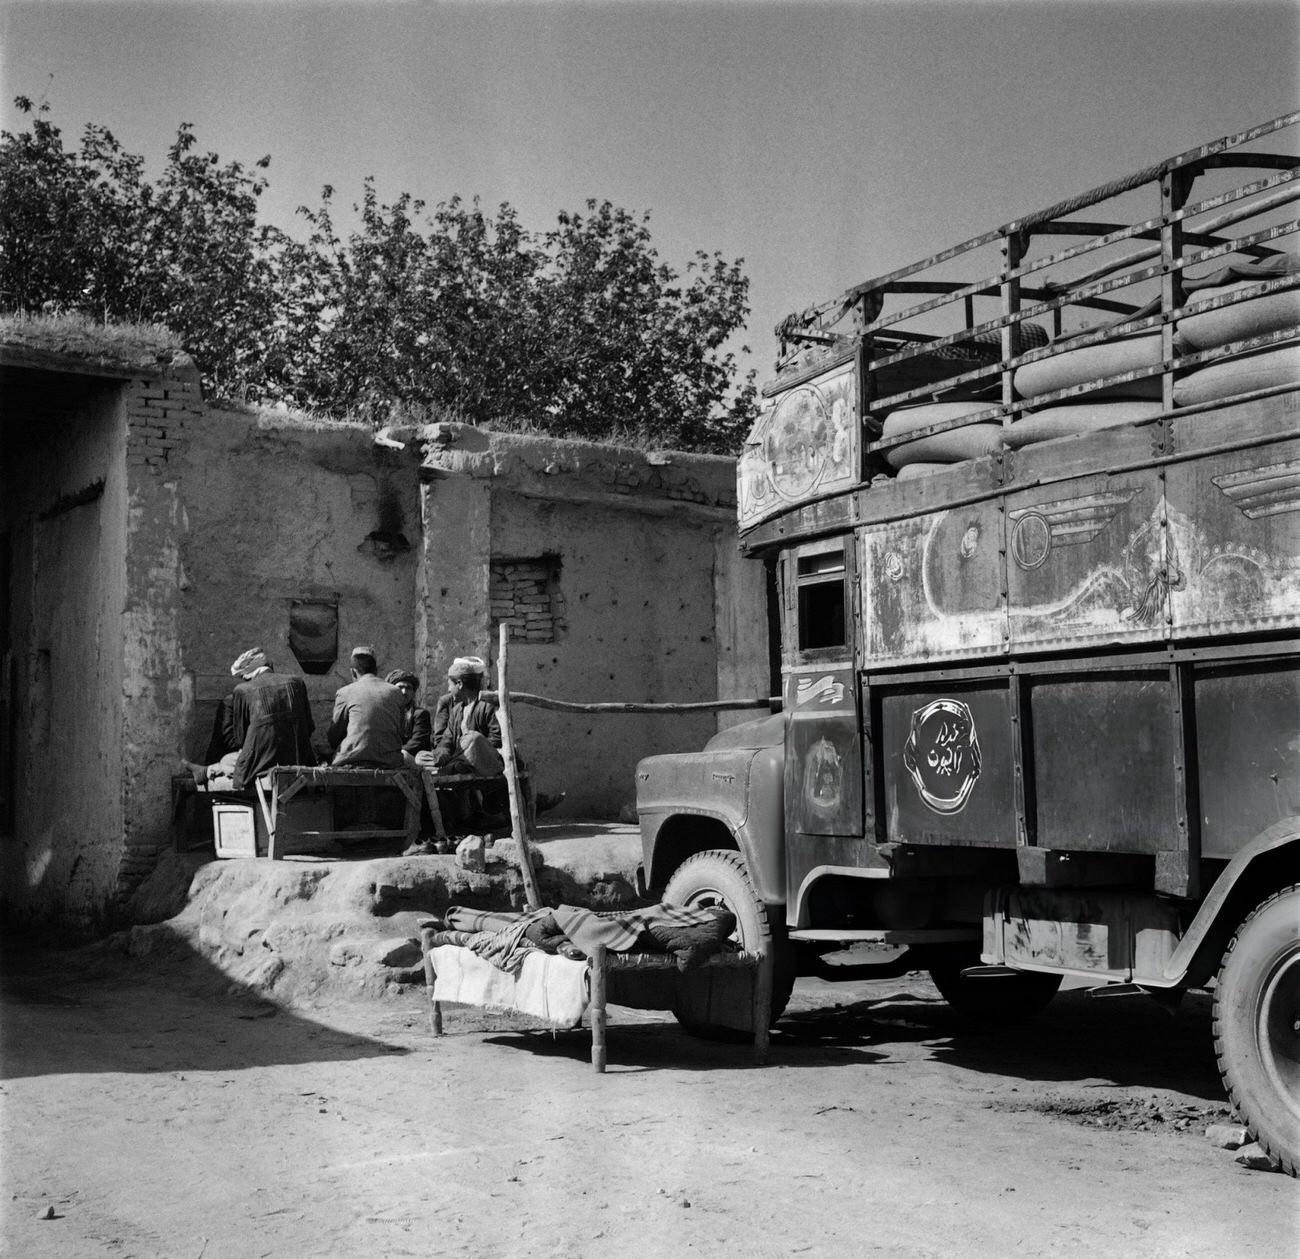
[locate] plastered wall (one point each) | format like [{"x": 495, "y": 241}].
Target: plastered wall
[
  {"x": 277, "y": 510},
  {"x": 64, "y": 511},
  {"x": 648, "y": 572}
]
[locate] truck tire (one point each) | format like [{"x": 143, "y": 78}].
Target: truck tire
[
  {"x": 1257, "y": 1025},
  {"x": 715, "y": 1003},
  {"x": 992, "y": 999}
]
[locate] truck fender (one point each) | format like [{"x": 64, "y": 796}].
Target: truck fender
[
  {"x": 1260, "y": 868},
  {"x": 675, "y": 839}
]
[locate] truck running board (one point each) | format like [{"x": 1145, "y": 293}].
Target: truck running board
[
  {"x": 1119, "y": 990},
  {"x": 892, "y": 938}
]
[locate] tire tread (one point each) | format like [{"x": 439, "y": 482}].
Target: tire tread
[{"x": 1289, "y": 1162}]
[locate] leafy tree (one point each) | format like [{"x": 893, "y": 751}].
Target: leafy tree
[
  {"x": 577, "y": 331},
  {"x": 83, "y": 231}
]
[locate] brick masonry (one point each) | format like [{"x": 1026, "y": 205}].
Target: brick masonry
[{"x": 526, "y": 593}]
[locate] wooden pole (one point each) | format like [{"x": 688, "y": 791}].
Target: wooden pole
[
  {"x": 532, "y": 894},
  {"x": 599, "y": 995},
  {"x": 435, "y": 1007}
]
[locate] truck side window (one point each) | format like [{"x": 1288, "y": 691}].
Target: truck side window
[{"x": 820, "y": 583}]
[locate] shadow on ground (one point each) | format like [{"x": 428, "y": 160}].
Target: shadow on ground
[
  {"x": 666, "y": 1047},
  {"x": 72, "y": 1012},
  {"x": 1124, "y": 1042}
]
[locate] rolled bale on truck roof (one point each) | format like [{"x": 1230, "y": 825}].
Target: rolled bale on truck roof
[{"x": 1030, "y": 509}]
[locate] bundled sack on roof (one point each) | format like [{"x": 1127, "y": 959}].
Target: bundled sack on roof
[
  {"x": 1254, "y": 318},
  {"x": 1242, "y": 373},
  {"x": 1071, "y": 420},
  {"x": 1094, "y": 362},
  {"x": 914, "y": 471},
  {"x": 950, "y": 447}
]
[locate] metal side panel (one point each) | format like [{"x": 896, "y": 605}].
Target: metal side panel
[
  {"x": 1248, "y": 750},
  {"x": 947, "y": 762},
  {"x": 1086, "y": 562},
  {"x": 1234, "y": 541},
  {"x": 1103, "y": 755},
  {"x": 932, "y": 586}
]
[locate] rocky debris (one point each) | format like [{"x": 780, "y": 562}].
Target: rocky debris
[
  {"x": 1257, "y": 1159},
  {"x": 1227, "y": 1136},
  {"x": 1126, "y": 1114}
]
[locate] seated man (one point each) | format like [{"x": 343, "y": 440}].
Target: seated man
[
  {"x": 269, "y": 724},
  {"x": 417, "y": 725},
  {"x": 368, "y": 725},
  {"x": 470, "y": 744}
]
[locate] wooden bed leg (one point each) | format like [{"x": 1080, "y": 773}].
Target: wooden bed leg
[
  {"x": 599, "y": 971},
  {"x": 435, "y": 1007},
  {"x": 762, "y": 1008}
]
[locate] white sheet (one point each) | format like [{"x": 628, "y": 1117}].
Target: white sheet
[{"x": 554, "y": 989}]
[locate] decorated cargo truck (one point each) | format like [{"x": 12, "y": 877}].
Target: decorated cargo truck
[{"x": 1030, "y": 510}]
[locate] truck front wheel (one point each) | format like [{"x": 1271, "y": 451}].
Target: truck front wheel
[
  {"x": 1257, "y": 1025},
  {"x": 716, "y": 1002}
]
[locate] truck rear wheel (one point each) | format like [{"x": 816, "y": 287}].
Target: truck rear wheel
[
  {"x": 717, "y": 1003},
  {"x": 1257, "y": 1025},
  {"x": 992, "y": 998}
]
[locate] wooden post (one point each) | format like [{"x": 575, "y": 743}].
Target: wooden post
[
  {"x": 435, "y": 1007},
  {"x": 599, "y": 971},
  {"x": 762, "y": 1007},
  {"x": 532, "y": 894}
]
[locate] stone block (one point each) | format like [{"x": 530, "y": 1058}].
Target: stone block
[
  {"x": 470, "y": 853},
  {"x": 1227, "y": 1136},
  {"x": 1257, "y": 1158}
]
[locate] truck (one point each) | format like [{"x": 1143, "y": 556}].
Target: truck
[{"x": 1029, "y": 510}]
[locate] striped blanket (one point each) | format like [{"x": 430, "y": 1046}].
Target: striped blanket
[{"x": 504, "y": 938}]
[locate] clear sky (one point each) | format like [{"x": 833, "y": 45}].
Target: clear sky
[{"x": 823, "y": 142}]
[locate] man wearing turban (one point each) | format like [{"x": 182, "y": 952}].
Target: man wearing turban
[{"x": 269, "y": 723}]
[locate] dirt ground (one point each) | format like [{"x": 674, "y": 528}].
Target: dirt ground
[{"x": 149, "y": 1113}]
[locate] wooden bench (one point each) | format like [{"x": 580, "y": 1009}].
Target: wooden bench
[
  {"x": 277, "y": 790},
  {"x": 433, "y": 782},
  {"x": 600, "y": 965}
]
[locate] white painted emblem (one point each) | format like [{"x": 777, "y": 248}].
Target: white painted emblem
[{"x": 825, "y": 690}]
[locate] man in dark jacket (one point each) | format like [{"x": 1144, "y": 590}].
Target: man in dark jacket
[
  {"x": 269, "y": 722},
  {"x": 417, "y": 725},
  {"x": 369, "y": 718},
  {"x": 471, "y": 742}
]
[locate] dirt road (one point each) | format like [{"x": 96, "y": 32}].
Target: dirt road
[{"x": 159, "y": 1118}]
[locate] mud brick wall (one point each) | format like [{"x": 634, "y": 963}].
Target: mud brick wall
[
  {"x": 152, "y": 538},
  {"x": 650, "y": 600},
  {"x": 161, "y": 414},
  {"x": 526, "y": 594}
]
